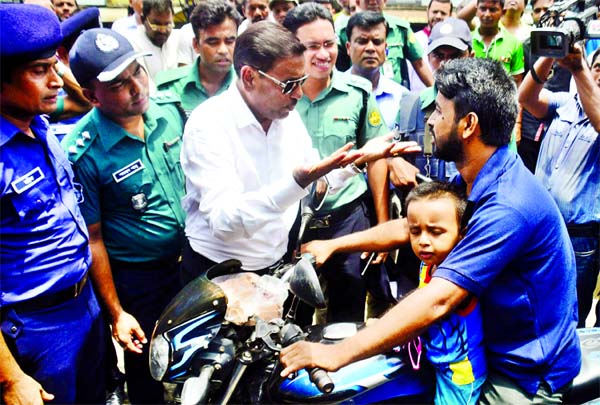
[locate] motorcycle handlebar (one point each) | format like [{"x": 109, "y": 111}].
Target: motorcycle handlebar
[
  {"x": 292, "y": 333},
  {"x": 321, "y": 379}
]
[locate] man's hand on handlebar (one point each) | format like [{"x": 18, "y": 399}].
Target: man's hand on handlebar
[
  {"x": 308, "y": 355},
  {"x": 320, "y": 249}
]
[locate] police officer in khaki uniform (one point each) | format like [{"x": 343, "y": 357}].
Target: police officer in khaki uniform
[
  {"x": 215, "y": 25},
  {"x": 338, "y": 108},
  {"x": 125, "y": 153}
]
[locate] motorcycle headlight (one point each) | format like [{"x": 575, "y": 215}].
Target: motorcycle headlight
[{"x": 159, "y": 357}]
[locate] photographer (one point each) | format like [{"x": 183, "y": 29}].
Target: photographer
[{"x": 569, "y": 160}]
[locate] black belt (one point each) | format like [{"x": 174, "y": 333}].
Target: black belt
[
  {"x": 53, "y": 299},
  {"x": 589, "y": 230},
  {"x": 335, "y": 216}
]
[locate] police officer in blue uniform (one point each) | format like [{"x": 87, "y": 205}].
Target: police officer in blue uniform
[{"x": 52, "y": 340}]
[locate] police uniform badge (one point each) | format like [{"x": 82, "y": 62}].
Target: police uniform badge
[
  {"x": 374, "y": 119},
  {"x": 106, "y": 43}
]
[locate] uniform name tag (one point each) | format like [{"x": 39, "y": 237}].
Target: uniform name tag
[
  {"x": 128, "y": 170},
  {"x": 27, "y": 181}
]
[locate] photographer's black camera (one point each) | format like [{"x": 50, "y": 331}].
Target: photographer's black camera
[{"x": 565, "y": 23}]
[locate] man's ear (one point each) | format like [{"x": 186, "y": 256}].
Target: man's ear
[
  {"x": 348, "y": 47},
  {"x": 469, "y": 125},
  {"x": 196, "y": 45},
  {"x": 91, "y": 96},
  {"x": 248, "y": 76}
]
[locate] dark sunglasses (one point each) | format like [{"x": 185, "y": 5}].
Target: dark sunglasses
[{"x": 288, "y": 86}]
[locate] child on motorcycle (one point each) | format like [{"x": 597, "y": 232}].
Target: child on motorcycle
[{"x": 453, "y": 345}]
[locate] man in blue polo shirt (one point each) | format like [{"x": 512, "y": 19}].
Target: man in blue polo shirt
[
  {"x": 52, "y": 340},
  {"x": 516, "y": 256}
]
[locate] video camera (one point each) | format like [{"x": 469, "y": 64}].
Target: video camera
[{"x": 565, "y": 23}]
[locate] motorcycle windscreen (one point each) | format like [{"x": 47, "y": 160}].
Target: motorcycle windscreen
[{"x": 199, "y": 297}]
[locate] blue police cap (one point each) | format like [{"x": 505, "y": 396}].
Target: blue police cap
[
  {"x": 28, "y": 32},
  {"x": 82, "y": 20},
  {"x": 102, "y": 54}
]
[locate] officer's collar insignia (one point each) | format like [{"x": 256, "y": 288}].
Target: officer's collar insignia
[{"x": 106, "y": 43}]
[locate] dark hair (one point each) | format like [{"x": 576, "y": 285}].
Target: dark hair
[
  {"x": 595, "y": 56},
  {"x": 160, "y": 6},
  {"x": 304, "y": 14},
  {"x": 482, "y": 86},
  {"x": 442, "y": 1},
  {"x": 263, "y": 44},
  {"x": 435, "y": 190},
  {"x": 213, "y": 12},
  {"x": 366, "y": 20},
  {"x": 501, "y": 2}
]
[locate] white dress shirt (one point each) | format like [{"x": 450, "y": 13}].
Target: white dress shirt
[
  {"x": 185, "y": 50},
  {"x": 161, "y": 58},
  {"x": 415, "y": 81},
  {"x": 241, "y": 199}
]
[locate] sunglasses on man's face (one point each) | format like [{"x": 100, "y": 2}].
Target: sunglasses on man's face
[{"x": 288, "y": 86}]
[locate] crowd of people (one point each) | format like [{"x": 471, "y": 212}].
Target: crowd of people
[{"x": 136, "y": 157}]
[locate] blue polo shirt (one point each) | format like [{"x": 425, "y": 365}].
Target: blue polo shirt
[
  {"x": 517, "y": 258},
  {"x": 44, "y": 244}
]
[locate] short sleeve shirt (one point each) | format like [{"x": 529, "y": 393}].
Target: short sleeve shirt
[
  {"x": 332, "y": 120},
  {"x": 402, "y": 44},
  {"x": 569, "y": 160},
  {"x": 185, "y": 83},
  {"x": 505, "y": 47},
  {"x": 132, "y": 186},
  {"x": 44, "y": 243},
  {"x": 517, "y": 258}
]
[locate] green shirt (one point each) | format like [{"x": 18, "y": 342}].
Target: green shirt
[
  {"x": 332, "y": 120},
  {"x": 402, "y": 47},
  {"x": 118, "y": 172},
  {"x": 185, "y": 83},
  {"x": 505, "y": 47}
]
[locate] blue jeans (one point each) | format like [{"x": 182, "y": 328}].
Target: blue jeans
[
  {"x": 587, "y": 258},
  {"x": 61, "y": 347}
]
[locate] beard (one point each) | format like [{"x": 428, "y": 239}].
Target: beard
[{"x": 451, "y": 149}]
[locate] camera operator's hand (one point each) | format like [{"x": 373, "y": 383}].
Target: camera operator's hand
[{"x": 574, "y": 61}]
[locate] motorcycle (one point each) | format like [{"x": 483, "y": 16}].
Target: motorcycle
[{"x": 220, "y": 348}]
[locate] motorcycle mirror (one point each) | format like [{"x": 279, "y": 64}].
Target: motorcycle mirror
[{"x": 304, "y": 283}]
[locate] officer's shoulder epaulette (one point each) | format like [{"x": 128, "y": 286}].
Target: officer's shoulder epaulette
[
  {"x": 166, "y": 97},
  {"x": 360, "y": 82},
  {"x": 393, "y": 20},
  {"x": 165, "y": 77},
  {"x": 78, "y": 142}
]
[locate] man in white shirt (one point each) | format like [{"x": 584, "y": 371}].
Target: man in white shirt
[
  {"x": 367, "y": 31},
  {"x": 254, "y": 11},
  {"x": 127, "y": 25},
  {"x": 156, "y": 36},
  {"x": 248, "y": 158}
]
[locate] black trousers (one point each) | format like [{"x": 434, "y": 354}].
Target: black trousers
[{"x": 144, "y": 290}]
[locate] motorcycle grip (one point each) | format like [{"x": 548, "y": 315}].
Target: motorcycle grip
[{"x": 321, "y": 379}]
